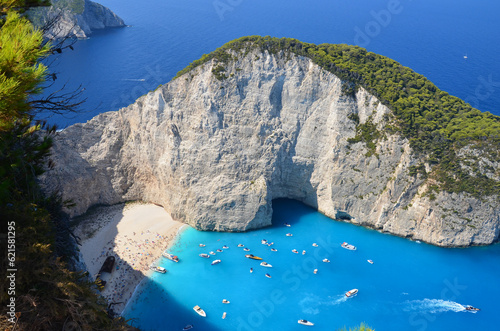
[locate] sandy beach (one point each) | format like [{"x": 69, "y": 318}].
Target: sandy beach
[{"x": 135, "y": 233}]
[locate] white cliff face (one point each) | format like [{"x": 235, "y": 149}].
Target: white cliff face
[
  {"x": 215, "y": 153},
  {"x": 80, "y": 25}
]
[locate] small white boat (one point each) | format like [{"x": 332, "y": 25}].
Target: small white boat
[
  {"x": 212, "y": 253},
  {"x": 225, "y": 247},
  {"x": 326, "y": 260},
  {"x": 216, "y": 262},
  {"x": 315, "y": 245},
  {"x": 286, "y": 224},
  {"x": 240, "y": 245},
  {"x": 263, "y": 242},
  {"x": 225, "y": 301},
  {"x": 202, "y": 245},
  {"x": 170, "y": 257},
  {"x": 370, "y": 261},
  {"x": 204, "y": 255},
  {"x": 295, "y": 251},
  {"x": 274, "y": 250},
  {"x": 270, "y": 244},
  {"x": 265, "y": 264},
  {"x": 161, "y": 270},
  {"x": 251, "y": 270},
  {"x": 246, "y": 249},
  {"x": 224, "y": 315},
  {"x": 289, "y": 235},
  {"x": 268, "y": 275},
  {"x": 315, "y": 271},
  {"x": 351, "y": 292},
  {"x": 200, "y": 311},
  {"x": 303, "y": 252},
  {"x": 348, "y": 246},
  {"x": 188, "y": 327},
  {"x": 306, "y": 322},
  {"x": 219, "y": 250}
]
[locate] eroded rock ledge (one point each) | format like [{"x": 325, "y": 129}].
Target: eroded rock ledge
[{"x": 215, "y": 153}]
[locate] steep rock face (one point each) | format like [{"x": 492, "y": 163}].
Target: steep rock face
[
  {"x": 215, "y": 153},
  {"x": 75, "y": 18}
]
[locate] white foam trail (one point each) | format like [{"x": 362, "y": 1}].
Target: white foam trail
[
  {"x": 433, "y": 306},
  {"x": 134, "y": 79}
]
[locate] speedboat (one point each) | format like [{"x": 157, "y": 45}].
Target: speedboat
[
  {"x": 263, "y": 242},
  {"x": 315, "y": 245},
  {"x": 348, "y": 246},
  {"x": 286, "y": 224},
  {"x": 224, "y": 315},
  {"x": 253, "y": 257},
  {"x": 200, "y": 311},
  {"x": 471, "y": 308},
  {"x": 270, "y": 244},
  {"x": 240, "y": 245},
  {"x": 170, "y": 257},
  {"x": 212, "y": 253},
  {"x": 289, "y": 234},
  {"x": 204, "y": 255},
  {"x": 303, "y": 252},
  {"x": 158, "y": 269},
  {"x": 370, "y": 261},
  {"x": 268, "y": 275},
  {"x": 246, "y": 249},
  {"x": 305, "y": 322},
  {"x": 295, "y": 251},
  {"x": 351, "y": 292},
  {"x": 265, "y": 264},
  {"x": 326, "y": 260},
  {"x": 216, "y": 262},
  {"x": 315, "y": 271},
  {"x": 251, "y": 270},
  {"x": 225, "y": 247},
  {"x": 188, "y": 327},
  {"x": 225, "y": 301},
  {"x": 219, "y": 250},
  {"x": 274, "y": 250},
  {"x": 202, "y": 245}
]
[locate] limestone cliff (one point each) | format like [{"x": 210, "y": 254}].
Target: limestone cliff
[
  {"x": 215, "y": 152},
  {"x": 74, "y": 18}
]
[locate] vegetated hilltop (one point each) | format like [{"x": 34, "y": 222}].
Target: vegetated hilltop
[
  {"x": 74, "y": 18},
  {"x": 351, "y": 133}
]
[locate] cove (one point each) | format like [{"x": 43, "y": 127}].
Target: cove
[{"x": 409, "y": 286}]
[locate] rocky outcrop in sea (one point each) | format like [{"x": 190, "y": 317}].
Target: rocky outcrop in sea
[
  {"x": 216, "y": 152},
  {"x": 74, "y": 18}
]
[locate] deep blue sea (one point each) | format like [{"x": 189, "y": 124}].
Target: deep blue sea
[
  {"x": 432, "y": 37},
  {"x": 410, "y": 286}
]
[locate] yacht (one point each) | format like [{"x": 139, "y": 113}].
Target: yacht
[
  {"x": 265, "y": 264},
  {"x": 200, "y": 311},
  {"x": 216, "y": 262},
  {"x": 348, "y": 246},
  {"x": 306, "y": 322}
]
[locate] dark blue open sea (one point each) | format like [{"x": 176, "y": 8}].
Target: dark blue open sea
[{"x": 409, "y": 286}]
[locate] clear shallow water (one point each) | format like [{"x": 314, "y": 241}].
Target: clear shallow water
[
  {"x": 410, "y": 286},
  {"x": 431, "y": 37}
]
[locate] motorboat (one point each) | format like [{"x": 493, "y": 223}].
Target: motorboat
[
  {"x": 170, "y": 257},
  {"x": 251, "y": 270},
  {"x": 265, "y": 264},
  {"x": 315, "y": 271},
  {"x": 370, "y": 261},
  {"x": 216, "y": 262},
  {"x": 295, "y": 251},
  {"x": 202, "y": 245},
  {"x": 303, "y": 252},
  {"x": 270, "y": 244},
  {"x": 246, "y": 249},
  {"x": 158, "y": 269},
  {"x": 306, "y": 322},
  {"x": 224, "y": 315},
  {"x": 348, "y": 246},
  {"x": 471, "y": 308},
  {"x": 219, "y": 250},
  {"x": 225, "y": 247},
  {"x": 253, "y": 257},
  {"x": 274, "y": 250},
  {"x": 225, "y": 301},
  {"x": 204, "y": 255},
  {"x": 289, "y": 235},
  {"x": 268, "y": 275},
  {"x": 188, "y": 327},
  {"x": 286, "y": 224},
  {"x": 326, "y": 260},
  {"x": 263, "y": 242},
  {"x": 200, "y": 311},
  {"x": 351, "y": 292},
  {"x": 212, "y": 253},
  {"x": 240, "y": 245},
  {"x": 315, "y": 245}
]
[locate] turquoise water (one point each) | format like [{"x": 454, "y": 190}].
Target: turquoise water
[{"x": 410, "y": 286}]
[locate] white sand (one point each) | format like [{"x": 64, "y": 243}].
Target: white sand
[{"x": 136, "y": 234}]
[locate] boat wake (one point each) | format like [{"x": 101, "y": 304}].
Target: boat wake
[
  {"x": 311, "y": 304},
  {"x": 432, "y": 306},
  {"x": 134, "y": 79}
]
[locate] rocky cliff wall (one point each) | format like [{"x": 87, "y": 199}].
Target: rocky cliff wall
[{"x": 215, "y": 153}]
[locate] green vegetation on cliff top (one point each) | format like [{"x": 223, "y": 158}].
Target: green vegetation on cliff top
[{"x": 437, "y": 124}]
